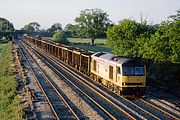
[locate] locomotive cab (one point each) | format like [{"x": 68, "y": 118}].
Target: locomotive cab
[
  {"x": 122, "y": 75},
  {"x": 133, "y": 77}
]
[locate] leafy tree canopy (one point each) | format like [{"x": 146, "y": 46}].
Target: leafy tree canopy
[
  {"x": 92, "y": 23},
  {"x": 164, "y": 45},
  {"x": 5, "y": 25},
  {"x": 124, "y": 37},
  {"x": 72, "y": 30},
  {"x": 55, "y": 27},
  {"x": 60, "y": 38},
  {"x": 175, "y": 17},
  {"x": 32, "y": 27}
]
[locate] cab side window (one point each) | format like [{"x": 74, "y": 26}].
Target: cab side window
[
  {"x": 94, "y": 61},
  {"x": 110, "y": 72},
  {"x": 118, "y": 70}
]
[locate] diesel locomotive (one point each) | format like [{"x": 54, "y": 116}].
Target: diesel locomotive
[{"x": 125, "y": 76}]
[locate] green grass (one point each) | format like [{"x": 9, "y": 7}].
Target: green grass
[
  {"x": 10, "y": 108},
  {"x": 96, "y": 48},
  {"x": 86, "y": 40},
  {"x": 85, "y": 43}
]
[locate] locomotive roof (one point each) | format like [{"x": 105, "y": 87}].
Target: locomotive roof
[{"x": 112, "y": 57}]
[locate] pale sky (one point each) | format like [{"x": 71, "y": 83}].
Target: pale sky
[{"x": 47, "y": 12}]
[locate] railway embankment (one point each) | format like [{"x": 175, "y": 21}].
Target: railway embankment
[
  {"x": 10, "y": 107},
  {"x": 165, "y": 75}
]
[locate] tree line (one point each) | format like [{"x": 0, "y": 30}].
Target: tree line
[
  {"x": 158, "y": 45},
  {"x": 159, "y": 42}
]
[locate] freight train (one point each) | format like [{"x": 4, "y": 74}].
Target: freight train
[{"x": 125, "y": 76}]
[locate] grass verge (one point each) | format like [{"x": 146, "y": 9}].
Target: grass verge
[
  {"x": 96, "y": 48},
  {"x": 86, "y": 40},
  {"x": 85, "y": 43},
  {"x": 10, "y": 108}
]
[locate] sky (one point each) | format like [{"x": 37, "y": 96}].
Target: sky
[{"x": 48, "y": 12}]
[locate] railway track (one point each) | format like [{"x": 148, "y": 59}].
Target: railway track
[
  {"x": 166, "y": 112},
  {"x": 131, "y": 105},
  {"x": 169, "y": 100},
  {"x": 157, "y": 111},
  {"x": 114, "y": 111},
  {"x": 142, "y": 112},
  {"x": 84, "y": 94},
  {"x": 56, "y": 101}
]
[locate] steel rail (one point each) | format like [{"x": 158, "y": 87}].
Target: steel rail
[
  {"x": 158, "y": 109},
  {"x": 35, "y": 77},
  {"x": 165, "y": 101},
  {"x": 114, "y": 105},
  {"x": 108, "y": 89},
  {"x": 106, "y": 112},
  {"x": 171, "y": 116},
  {"x": 140, "y": 108},
  {"x": 59, "y": 95},
  {"x": 108, "y": 100}
]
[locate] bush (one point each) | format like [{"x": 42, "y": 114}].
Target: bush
[{"x": 60, "y": 38}]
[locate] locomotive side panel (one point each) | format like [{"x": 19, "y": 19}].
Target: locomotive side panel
[{"x": 105, "y": 70}]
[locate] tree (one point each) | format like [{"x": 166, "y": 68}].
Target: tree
[
  {"x": 128, "y": 37},
  {"x": 55, "y": 27},
  {"x": 175, "y": 17},
  {"x": 5, "y": 25},
  {"x": 28, "y": 28},
  {"x": 121, "y": 37},
  {"x": 92, "y": 23},
  {"x": 71, "y": 30},
  {"x": 60, "y": 38},
  {"x": 164, "y": 45},
  {"x": 32, "y": 27}
]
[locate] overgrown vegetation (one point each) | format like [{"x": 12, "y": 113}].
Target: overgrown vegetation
[
  {"x": 87, "y": 41},
  {"x": 60, "y": 38},
  {"x": 92, "y": 23},
  {"x": 158, "y": 45},
  {"x": 10, "y": 107},
  {"x": 5, "y": 25},
  {"x": 96, "y": 48}
]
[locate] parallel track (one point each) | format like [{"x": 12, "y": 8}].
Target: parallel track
[
  {"x": 158, "y": 109},
  {"x": 102, "y": 94},
  {"x": 56, "y": 101},
  {"x": 165, "y": 100},
  {"x": 112, "y": 110},
  {"x": 112, "y": 102}
]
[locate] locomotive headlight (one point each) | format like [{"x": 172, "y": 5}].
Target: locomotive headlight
[
  {"x": 144, "y": 83},
  {"x": 124, "y": 83}
]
